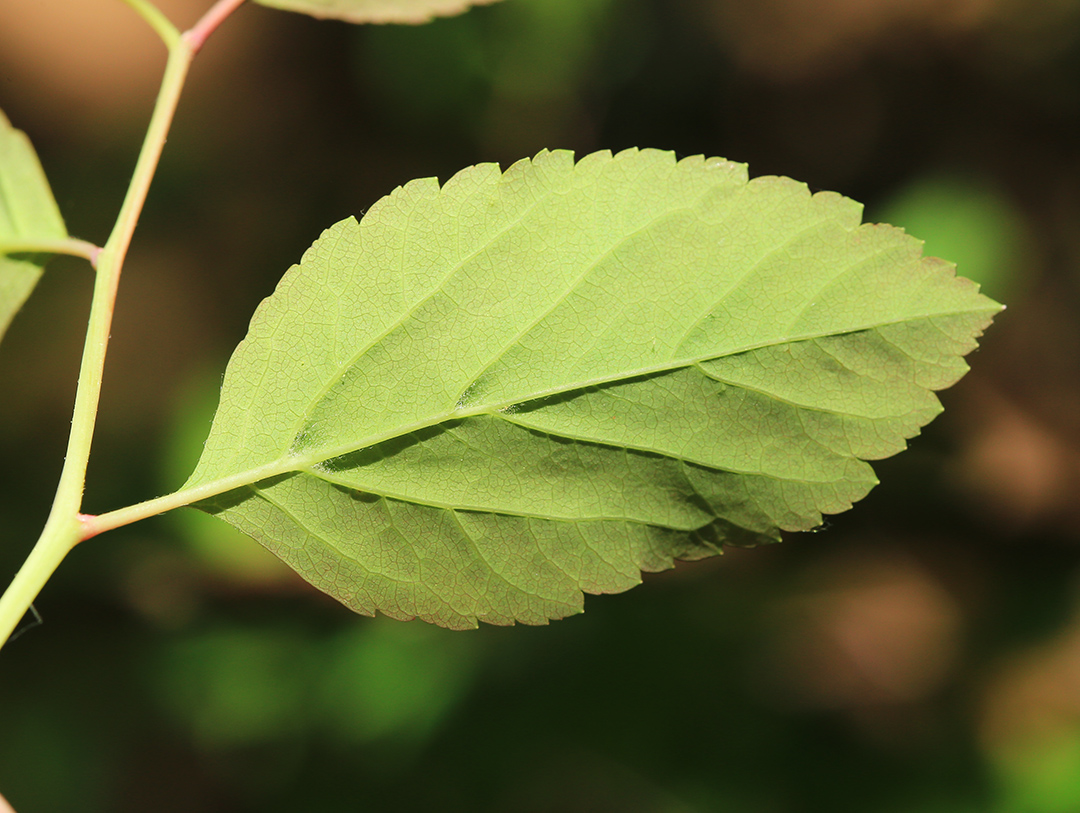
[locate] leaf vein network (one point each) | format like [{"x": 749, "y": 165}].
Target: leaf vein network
[
  {"x": 573, "y": 286},
  {"x": 741, "y": 280},
  {"x": 412, "y": 309}
]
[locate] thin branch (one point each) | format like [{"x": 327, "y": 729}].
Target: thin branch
[
  {"x": 198, "y": 33},
  {"x": 168, "y": 32},
  {"x": 70, "y": 246},
  {"x": 64, "y": 528}
]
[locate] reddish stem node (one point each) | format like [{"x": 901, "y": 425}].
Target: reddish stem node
[{"x": 198, "y": 33}]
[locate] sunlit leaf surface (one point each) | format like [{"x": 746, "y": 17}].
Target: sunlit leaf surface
[
  {"x": 376, "y": 11},
  {"x": 486, "y": 398},
  {"x": 27, "y": 212}
]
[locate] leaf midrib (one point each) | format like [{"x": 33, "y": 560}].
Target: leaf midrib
[
  {"x": 289, "y": 463},
  {"x": 298, "y": 427}
]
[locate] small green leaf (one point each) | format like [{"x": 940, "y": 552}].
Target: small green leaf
[
  {"x": 376, "y": 11},
  {"x": 486, "y": 398},
  {"x": 27, "y": 213}
]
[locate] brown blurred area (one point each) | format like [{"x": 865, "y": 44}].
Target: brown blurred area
[{"x": 922, "y": 653}]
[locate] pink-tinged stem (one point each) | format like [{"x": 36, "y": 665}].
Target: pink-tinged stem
[{"x": 198, "y": 33}]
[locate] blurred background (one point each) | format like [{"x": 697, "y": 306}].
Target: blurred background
[{"x": 920, "y": 654}]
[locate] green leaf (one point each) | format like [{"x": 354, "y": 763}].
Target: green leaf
[
  {"x": 486, "y": 398},
  {"x": 27, "y": 213},
  {"x": 376, "y": 11}
]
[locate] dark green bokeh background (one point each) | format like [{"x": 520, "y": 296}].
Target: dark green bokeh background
[{"x": 920, "y": 654}]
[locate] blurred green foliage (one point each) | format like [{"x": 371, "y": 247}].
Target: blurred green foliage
[
  {"x": 966, "y": 221},
  {"x": 216, "y": 545},
  {"x": 470, "y": 76},
  {"x": 381, "y": 682},
  {"x": 1045, "y": 780}
]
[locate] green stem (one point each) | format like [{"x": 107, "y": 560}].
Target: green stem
[
  {"x": 93, "y": 525},
  {"x": 76, "y": 248},
  {"x": 72, "y": 478},
  {"x": 158, "y": 21},
  {"x": 66, "y": 526},
  {"x": 198, "y": 33},
  {"x": 62, "y": 532}
]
